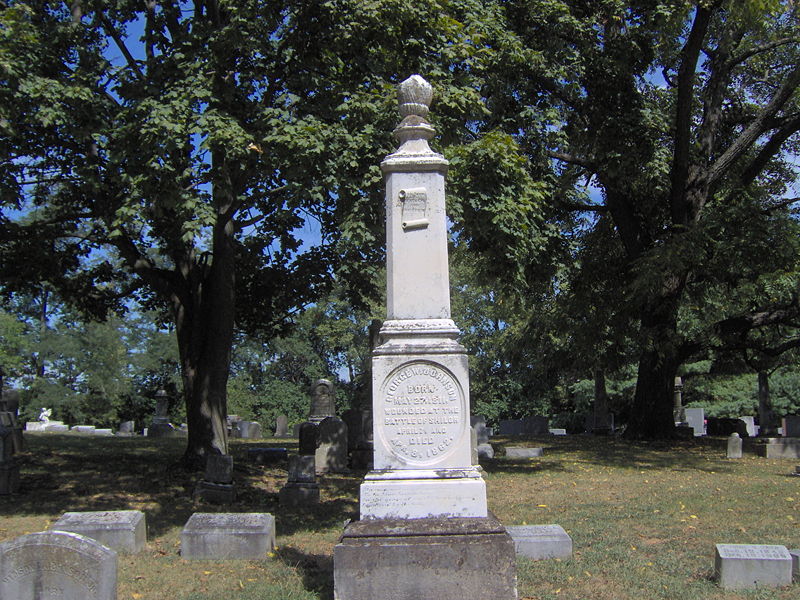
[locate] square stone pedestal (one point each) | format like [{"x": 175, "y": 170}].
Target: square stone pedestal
[{"x": 411, "y": 559}]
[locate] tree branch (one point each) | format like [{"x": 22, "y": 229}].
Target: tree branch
[
  {"x": 683, "y": 117},
  {"x": 573, "y": 160},
  {"x": 743, "y": 56},
  {"x": 114, "y": 34},
  {"x": 769, "y": 150},
  {"x": 757, "y": 128}
]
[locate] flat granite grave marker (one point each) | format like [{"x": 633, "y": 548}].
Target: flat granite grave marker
[
  {"x": 519, "y": 452},
  {"x": 228, "y": 535},
  {"x": 743, "y": 566},
  {"x": 539, "y": 542},
  {"x": 57, "y": 565},
  {"x": 122, "y": 530}
]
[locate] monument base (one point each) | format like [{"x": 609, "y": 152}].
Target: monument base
[
  {"x": 446, "y": 559},
  {"x": 423, "y": 494},
  {"x": 216, "y": 493},
  {"x": 298, "y": 494}
]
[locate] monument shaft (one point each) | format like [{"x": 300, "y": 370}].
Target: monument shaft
[{"x": 420, "y": 380}]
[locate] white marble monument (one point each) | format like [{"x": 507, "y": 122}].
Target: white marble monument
[{"x": 420, "y": 381}]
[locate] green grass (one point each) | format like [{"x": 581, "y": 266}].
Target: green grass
[{"x": 643, "y": 518}]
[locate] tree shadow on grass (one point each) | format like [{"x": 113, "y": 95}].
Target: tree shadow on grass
[
  {"x": 67, "y": 472},
  {"x": 702, "y": 454},
  {"x": 315, "y": 569}
]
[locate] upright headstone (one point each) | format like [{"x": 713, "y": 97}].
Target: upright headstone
[
  {"x": 323, "y": 401},
  {"x": 301, "y": 487},
  {"x": 331, "y": 453},
  {"x": 308, "y": 439},
  {"x": 57, "y": 565},
  {"x": 122, "y": 530},
  {"x": 696, "y": 419},
  {"x": 9, "y": 409},
  {"x": 127, "y": 427},
  {"x": 160, "y": 426},
  {"x": 281, "y": 426},
  {"x": 424, "y": 531},
  {"x": 791, "y": 426},
  {"x": 217, "y": 484},
  {"x": 750, "y": 425},
  {"x": 734, "y": 446}
]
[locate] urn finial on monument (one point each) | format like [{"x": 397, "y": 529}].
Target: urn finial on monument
[{"x": 414, "y": 96}]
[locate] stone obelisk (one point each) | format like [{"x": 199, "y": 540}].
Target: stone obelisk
[
  {"x": 420, "y": 382},
  {"x": 424, "y": 530}
]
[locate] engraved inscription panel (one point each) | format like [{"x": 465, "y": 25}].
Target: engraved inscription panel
[
  {"x": 423, "y": 412},
  {"x": 758, "y": 552},
  {"x": 414, "y": 202}
]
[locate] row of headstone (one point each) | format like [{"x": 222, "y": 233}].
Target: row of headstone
[
  {"x": 535, "y": 425},
  {"x": 78, "y": 558}
]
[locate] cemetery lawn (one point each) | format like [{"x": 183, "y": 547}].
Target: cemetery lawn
[{"x": 644, "y": 518}]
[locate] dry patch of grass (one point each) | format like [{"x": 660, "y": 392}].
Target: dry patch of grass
[{"x": 644, "y": 518}]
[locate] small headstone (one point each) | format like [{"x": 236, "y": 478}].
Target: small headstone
[
  {"x": 519, "y": 452},
  {"x": 744, "y": 566},
  {"x": 557, "y": 431},
  {"x": 281, "y": 426},
  {"x": 56, "y": 427},
  {"x": 331, "y": 453},
  {"x": 791, "y": 426},
  {"x": 479, "y": 424},
  {"x": 217, "y": 484},
  {"x": 249, "y": 430},
  {"x": 695, "y": 417},
  {"x": 102, "y": 432},
  {"x": 57, "y": 565},
  {"x": 795, "y": 554},
  {"x": 266, "y": 456},
  {"x": 534, "y": 425},
  {"x": 301, "y": 487},
  {"x": 539, "y": 542},
  {"x": 296, "y": 430},
  {"x": 83, "y": 428},
  {"x": 122, "y": 530},
  {"x": 34, "y": 426},
  {"x": 485, "y": 451},
  {"x": 308, "y": 438},
  {"x": 323, "y": 401},
  {"x": 127, "y": 427},
  {"x": 734, "y": 446},
  {"x": 228, "y": 535}
]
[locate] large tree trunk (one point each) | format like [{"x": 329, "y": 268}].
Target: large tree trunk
[
  {"x": 651, "y": 415},
  {"x": 205, "y": 338},
  {"x": 766, "y": 416}
]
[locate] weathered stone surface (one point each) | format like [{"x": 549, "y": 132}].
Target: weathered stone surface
[
  {"x": 219, "y": 468},
  {"x": 122, "y": 530},
  {"x": 539, "y": 542},
  {"x": 695, "y": 417},
  {"x": 734, "y": 446},
  {"x": 160, "y": 430},
  {"x": 281, "y": 426},
  {"x": 485, "y": 451},
  {"x": 557, "y": 431},
  {"x": 302, "y": 469},
  {"x": 795, "y": 554},
  {"x": 127, "y": 427},
  {"x": 228, "y": 535},
  {"x": 308, "y": 438},
  {"x": 323, "y": 401},
  {"x": 791, "y": 426},
  {"x": 298, "y": 494},
  {"x": 445, "y": 559},
  {"x": 743, "y": 566},
  {"x": 782, "y": 448},
  {"x": 519, "y": 452},
  {"x": 250, "y": 430},
  {"x": 56, "y": 565},
  {"x": 82, "y": 428},
  {"x": 331, "y": 452},
  {"x": 215, "y": 493}
]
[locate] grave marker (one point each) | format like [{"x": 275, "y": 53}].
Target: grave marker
[
  {"x": 539, "y": 542},
  {"x": 734, "y": 446},
  {"x": 301, "y": 487},
  {"x": 122, "y": 530},
  {"x": 228, "y": 535},
  {"x": 331, "y": 452},
  {"x": 281, "y": 426},
  {"x": 57, "y": 565},
  {"x": 744, "y": 566},
  {"x": 519, "y": 452}
]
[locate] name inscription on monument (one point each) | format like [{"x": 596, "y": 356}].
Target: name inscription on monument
[{"x": 423, "y": 412}]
